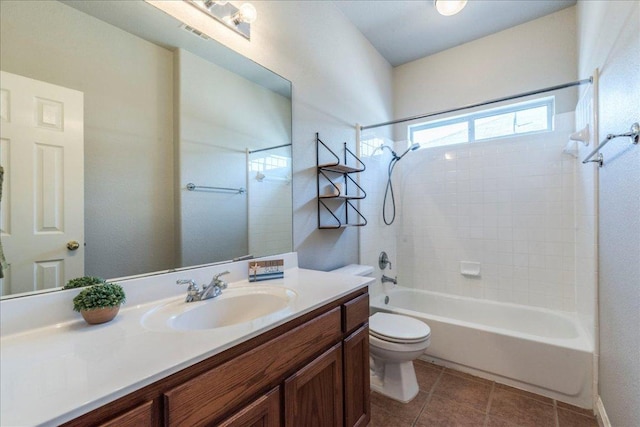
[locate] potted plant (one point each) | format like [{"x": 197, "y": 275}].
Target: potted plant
[
  {"x": 81, "y": 282},
  {"x": 99, "y": 303}
]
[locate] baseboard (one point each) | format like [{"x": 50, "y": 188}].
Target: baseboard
[{"x": 601, "y": 413}]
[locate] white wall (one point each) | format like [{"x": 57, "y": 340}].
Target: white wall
[
  {"x": 338, "y": 80},
  {"x": 125, "y": 147},
  {"x": 537, "y": 54},
  {"x": 608, "y": 39}
]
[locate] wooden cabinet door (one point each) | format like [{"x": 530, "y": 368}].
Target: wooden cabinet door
[
  {"x": 313, "y": 395},
  {"x": 264, "y": 412},
  {"x": 357, "y": 408}
]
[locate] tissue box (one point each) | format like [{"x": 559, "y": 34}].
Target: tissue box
[{"x": 266, "y": 270}]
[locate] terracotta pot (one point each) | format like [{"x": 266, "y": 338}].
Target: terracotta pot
[{"x": 100, "y": 315}]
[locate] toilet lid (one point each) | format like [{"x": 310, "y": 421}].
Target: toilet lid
[{"x": 397, "y": 328}]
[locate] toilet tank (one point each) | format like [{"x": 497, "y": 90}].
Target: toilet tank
[{"x": 355, "y": 270}]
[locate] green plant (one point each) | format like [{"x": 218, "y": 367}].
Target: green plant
[
  {"x": 99, "y": 296},
  {"x": 81, "y": 282}
]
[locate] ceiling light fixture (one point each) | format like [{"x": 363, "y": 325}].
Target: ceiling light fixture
[
  {"x": 247, "y": 13},
  {"x": 238, "y": 19},
  {"x": 449, "y": 7}
]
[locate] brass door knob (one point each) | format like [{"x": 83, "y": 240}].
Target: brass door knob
[{"x": 73, "y": 245}]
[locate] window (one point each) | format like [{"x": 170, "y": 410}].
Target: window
[
  {"x": 515, "y": 119},
  {"x": 370, "y": 146},
  {"x": 269, "y": 162}
]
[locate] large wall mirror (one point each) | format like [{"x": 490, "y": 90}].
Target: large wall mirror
[{"x": 110, "y": 109}]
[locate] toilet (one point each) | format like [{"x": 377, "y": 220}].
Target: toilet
[{"x": 395, "y": 341}]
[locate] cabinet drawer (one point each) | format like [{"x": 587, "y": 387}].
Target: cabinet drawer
[
  {"x": 264, "y": 412},
  {"x": 139, "y": 416},
  {"x": 355, "y": 312},
  {"x": 209, "y": 396}
]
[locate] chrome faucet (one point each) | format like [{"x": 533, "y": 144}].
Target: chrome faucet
[
  {"x": 218, "y": 283},
  {"x": 386, "y": 279},
  {"x": 211, "y": 290}
]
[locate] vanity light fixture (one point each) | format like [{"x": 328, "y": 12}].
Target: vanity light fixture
[
  {"x": 449, "y": 7},
  {"x": 238, "y": 19}
]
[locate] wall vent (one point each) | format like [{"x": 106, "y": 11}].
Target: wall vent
[{"x": 194, "y": 31}]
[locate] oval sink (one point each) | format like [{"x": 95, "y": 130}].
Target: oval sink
[{"x": 234, "y": 306}]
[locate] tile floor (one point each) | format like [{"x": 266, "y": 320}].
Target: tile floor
[{"x": 452, "y": 398}]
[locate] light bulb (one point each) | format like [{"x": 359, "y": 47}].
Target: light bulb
[
  {"x": 449, "y": 7},
  {"x": 221, "y": 2},
  {"x": 248, "y": 13}
]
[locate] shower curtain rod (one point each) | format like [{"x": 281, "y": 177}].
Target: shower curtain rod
[
  {"x": 268, "y": 148},
  {"x": 480, "y": 104}
]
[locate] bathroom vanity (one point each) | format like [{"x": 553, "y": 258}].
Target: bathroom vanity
[
  {"x": 313, "y": 367},
  {"x": 310, "y": 362}
]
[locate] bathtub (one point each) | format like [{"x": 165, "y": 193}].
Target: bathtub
[{"x": 537, "y": 350}]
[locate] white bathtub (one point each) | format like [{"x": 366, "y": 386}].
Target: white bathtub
[{"x": 538, "y": 350}]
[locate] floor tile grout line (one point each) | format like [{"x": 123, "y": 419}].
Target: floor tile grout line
[
  {"x": 428, "y": 399},
  {"x": 555, "y": 412},
  {"x": 488, "y": 408}
]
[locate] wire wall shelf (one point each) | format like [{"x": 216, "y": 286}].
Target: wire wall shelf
[{"x": 340, "y": 189}]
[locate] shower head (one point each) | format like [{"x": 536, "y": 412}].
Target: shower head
[{"x": 413, "y": 147}]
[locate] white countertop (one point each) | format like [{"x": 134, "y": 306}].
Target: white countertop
[{"x": 56, "y": 373}]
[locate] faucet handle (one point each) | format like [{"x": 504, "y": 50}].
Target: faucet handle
[
  {"x": 383, "y": 261},
  {"x": 218, "y": 281},
  {"x": 192, "y": 284}
]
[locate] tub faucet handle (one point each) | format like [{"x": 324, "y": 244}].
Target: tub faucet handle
[{"x": 383, "y": 261}]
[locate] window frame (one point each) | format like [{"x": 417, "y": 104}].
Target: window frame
[{"x": 470, "y": 118}]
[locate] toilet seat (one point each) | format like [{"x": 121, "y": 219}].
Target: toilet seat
[
  {"x": 396, "y": 347},
  {"x": 398, "y": 329}
]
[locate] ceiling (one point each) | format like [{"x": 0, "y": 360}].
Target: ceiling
[{"x": 403, "y": 31}]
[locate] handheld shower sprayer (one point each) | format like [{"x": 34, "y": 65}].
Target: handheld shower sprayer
[
  {"x": 413, "y": 147},
  {"x": 395, "y": 156},
  {"x": 392, "y": 164}
]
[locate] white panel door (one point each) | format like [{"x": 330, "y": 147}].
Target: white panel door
[{"x": 42, "y": 209}]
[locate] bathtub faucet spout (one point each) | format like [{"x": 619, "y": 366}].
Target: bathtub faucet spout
[{"x": 393, "y": 280}]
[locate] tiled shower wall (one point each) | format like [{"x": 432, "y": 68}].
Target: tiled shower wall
[
  {"x": 586, "y": 219},
  {"x": 507, "y": 204}
]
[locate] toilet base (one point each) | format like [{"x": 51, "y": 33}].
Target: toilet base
[{"x": 395, "y": 380}]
